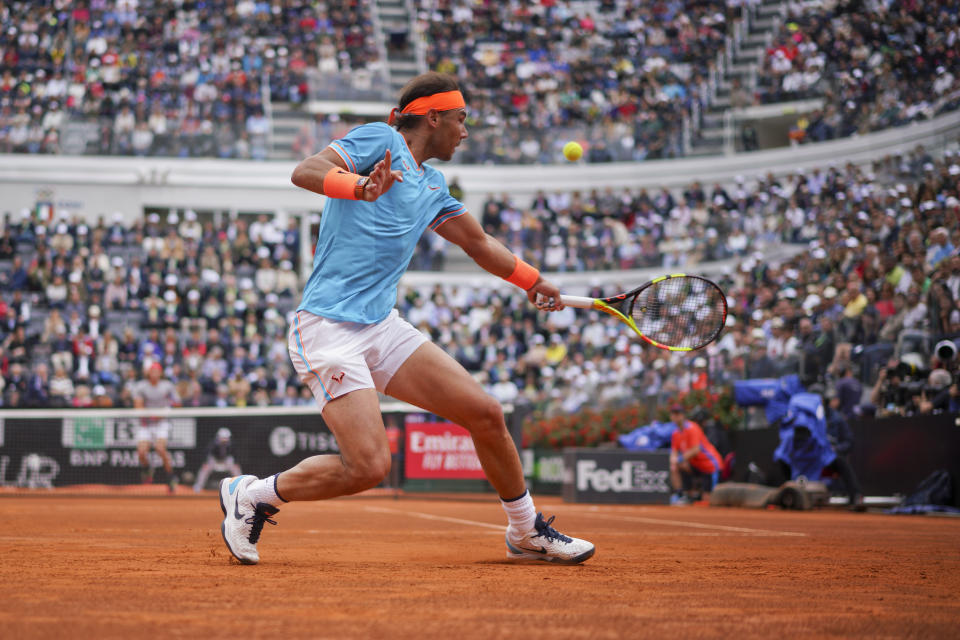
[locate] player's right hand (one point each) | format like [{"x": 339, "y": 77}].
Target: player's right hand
[
  {"x": 545, "y": 296},
  {"x": 381, "y": 179}
]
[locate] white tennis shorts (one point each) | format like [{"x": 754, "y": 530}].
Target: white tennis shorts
[
  {"x": 334, "y": 358},
  {"x": 151, "y": 430}
]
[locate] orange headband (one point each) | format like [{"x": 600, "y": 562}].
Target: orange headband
[{"x": 443, "y": 101}]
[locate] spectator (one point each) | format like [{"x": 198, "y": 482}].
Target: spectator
[
  {"x": 61, "y": 386},
  {"x": 848, "y": 393}
]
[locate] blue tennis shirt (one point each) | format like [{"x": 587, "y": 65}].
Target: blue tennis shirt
[{"x": 363, "y": 248}]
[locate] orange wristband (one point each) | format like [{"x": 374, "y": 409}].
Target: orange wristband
[
  {"x": 524, "y": 276},
  {"x": 338, "y": 183}
]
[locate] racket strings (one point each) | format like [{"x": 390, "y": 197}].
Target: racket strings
[{"x": 682, "y": 312}]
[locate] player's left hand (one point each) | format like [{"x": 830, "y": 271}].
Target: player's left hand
[
  {"x": 381, "y": 179},
  {"x": 545, "y": 296}
]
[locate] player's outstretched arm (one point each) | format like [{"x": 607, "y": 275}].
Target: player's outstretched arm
[
  {"x": 490, "y": 254},
  {"x": 314, "y": 174}
]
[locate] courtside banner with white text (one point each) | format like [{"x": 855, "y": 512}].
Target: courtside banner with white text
[
  {"x": 616, "y": 476},
  {"x": 88, "y": 447},
  {"x": 440, "y": 450}
]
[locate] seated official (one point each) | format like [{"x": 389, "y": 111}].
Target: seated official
[{"x": 693, "y": 460}]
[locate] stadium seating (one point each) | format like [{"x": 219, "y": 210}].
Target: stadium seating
[
  {"x": 211, "y": 301},
  {"x": 865, "y": 65},
  {"x": 636, "y": 81},
  {"x": 143, "y": 77}
]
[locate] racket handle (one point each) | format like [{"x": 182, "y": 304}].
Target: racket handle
[{"x": 579, "y": 302}]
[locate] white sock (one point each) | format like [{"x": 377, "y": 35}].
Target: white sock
[
  {"x": 265, "y": 490},
  {"x": 520, "y": 512}
]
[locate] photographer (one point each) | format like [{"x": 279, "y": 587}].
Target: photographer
[
  {"x": 941, "y": 394},
  {"x": 948, "y": 400},
  {"x": 900, "y": 388}
]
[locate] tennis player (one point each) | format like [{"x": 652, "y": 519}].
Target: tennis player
[
  {"x": 347, "y": 341},
  {"x": 155, "y": 392}
]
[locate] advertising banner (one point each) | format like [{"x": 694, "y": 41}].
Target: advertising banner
[
  {"x": 93, "y": 432},
  {"x": 440, "y": 450},
  {"x": 92, "y": 449},
  {"x": 30, "y": 453},
  {"x": 264, "y": 445},
  {"x": 543, "y": 469},
  {"x": 616, "y": 476}
]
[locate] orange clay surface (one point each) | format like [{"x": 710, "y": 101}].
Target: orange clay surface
[{"x": 434, "y": 567}]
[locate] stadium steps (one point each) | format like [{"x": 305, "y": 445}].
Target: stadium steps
[
  {"x": 747, "y": 56},
  {"x": 288, "y": 120},
  {"x": 712, "y": 119},
  {"x": 753, "y": 55},
  {"x": 707, "y": 149},
  {"x": 396, "y": 27}
]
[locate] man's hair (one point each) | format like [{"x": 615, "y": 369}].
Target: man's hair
[{"x": 426, "y": 84}]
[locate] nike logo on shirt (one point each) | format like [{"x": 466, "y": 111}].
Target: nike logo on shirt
[{"x": 432, "y": 188}]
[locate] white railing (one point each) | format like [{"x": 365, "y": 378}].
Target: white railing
[
  {"x": 729, "y": 130},
  {"x": 713, "y": 82},
  {"x": 267, "y": 100},
  {"x": 381, "y": 36},
  {"x": 416, "y": 36},
  {"x": 91, "y": 186}
]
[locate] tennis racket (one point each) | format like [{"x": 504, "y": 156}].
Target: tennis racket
[{"x": 675, "y": 312}]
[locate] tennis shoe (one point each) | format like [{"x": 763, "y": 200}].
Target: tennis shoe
[
  {"x": 680, "y": 500},
  {"x": 546, "y": 544},
  {"x": 242, "y": 520}
]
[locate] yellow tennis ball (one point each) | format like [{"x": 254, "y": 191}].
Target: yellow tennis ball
[{"x": 572, "y": 151}]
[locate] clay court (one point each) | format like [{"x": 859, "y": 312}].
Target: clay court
[{"x": 415, "y": 567}]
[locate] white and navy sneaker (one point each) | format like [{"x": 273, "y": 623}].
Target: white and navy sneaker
[
  {"x": 242, "y": 520},
  {"x": 546, "y": 544}
]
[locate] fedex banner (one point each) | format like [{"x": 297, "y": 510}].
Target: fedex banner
[
  {"x": 440, "y": 450},
  {"x": 616, "y": 476}
]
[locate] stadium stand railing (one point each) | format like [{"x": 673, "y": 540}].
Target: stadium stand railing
[{"x": 93, "y": 186}]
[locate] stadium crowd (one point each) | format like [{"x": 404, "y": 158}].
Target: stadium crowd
[
  {"x": 876, "y": 64},
  {"x": 166, "y": 79},
  {"x": 866, "y": 307},
  {"x": 624, "y": 76},
  {"x": 143, "y": 77}
]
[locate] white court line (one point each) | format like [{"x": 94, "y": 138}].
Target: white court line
[
  {"x": 684, "y": 523},
  {"x": 430, "y": 516},
  {"x": 595, "y": 511}
]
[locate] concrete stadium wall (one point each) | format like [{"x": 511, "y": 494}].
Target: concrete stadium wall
[{"x": 94, "y": 186}]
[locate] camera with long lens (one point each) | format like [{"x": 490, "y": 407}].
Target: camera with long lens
[
  {"x": 945, "y": 350},
  {"x": 912, "y": 382}
]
